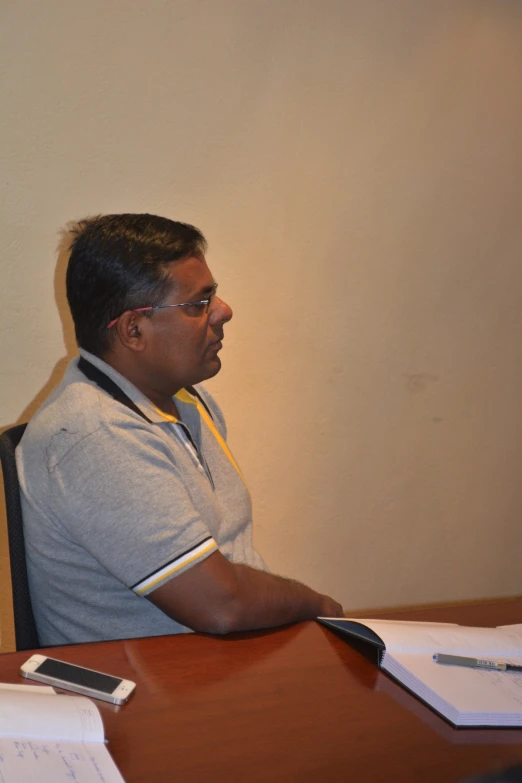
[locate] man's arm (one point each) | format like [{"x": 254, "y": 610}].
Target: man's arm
[{"x": 219, "y": 597}]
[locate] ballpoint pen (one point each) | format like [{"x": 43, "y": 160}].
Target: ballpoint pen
[{"x": 475, "y": 663}]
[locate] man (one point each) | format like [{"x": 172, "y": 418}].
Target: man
[{"x": 137, "y": 519}]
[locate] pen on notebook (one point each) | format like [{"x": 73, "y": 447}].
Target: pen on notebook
[{"x": 475, "y": 663}]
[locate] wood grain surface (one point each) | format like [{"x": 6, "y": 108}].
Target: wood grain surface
[{"x": 295, "y": 704}]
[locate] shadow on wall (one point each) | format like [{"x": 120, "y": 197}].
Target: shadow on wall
[
  {"x": 69, "y": 339},
  {"x": 7, "y": 636}
]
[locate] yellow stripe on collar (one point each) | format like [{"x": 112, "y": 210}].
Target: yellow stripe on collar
[
  {"x": 165, "y": 416},
  {"x": 184, "y": 396}
]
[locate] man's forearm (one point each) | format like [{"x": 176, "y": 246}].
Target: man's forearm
[
  {"x": 262, "y": 600},
  {"x": 220, "y": 597}
]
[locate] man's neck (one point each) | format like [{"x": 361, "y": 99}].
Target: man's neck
[{"x": 164, "y": 401}]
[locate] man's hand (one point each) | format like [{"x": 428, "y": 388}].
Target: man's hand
[
  {"x": 331, "y": 608},
  {"x": 219, "y": 597}
]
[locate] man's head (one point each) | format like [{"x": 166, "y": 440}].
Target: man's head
[
  {"x": 119, "y": 263},
  {"x": 142, "y": 298}
]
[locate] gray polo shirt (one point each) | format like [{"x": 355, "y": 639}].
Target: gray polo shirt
[{"x": 115, "y": 506}]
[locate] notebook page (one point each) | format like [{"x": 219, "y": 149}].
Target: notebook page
[
  {"x": 49, "y": 716},
  {"x": 432, "y": 638},
  {"x": 27, "y": 761},
  {"x": 8, "y": 686},
  {"x": 466, "y": 690}
]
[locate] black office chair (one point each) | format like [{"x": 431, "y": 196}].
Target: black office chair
[{"x": 26, "y": 635}]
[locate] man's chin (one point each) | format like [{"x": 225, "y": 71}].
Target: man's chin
[
  {"x": 215, "y": 367},
  {"x": 211, "y": 368}
]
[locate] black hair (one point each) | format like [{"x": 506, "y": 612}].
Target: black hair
[{"x": 119, "y": 263}]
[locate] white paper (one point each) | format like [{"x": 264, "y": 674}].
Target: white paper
[
  {"x": 474, "y": 696},
  {"x": 49, "y": 716},
  {"x": 434, "y": 638},
  {"x": 8, "y": 686},
  {"x": 48, "y": 761}
]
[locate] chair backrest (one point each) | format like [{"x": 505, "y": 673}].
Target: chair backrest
[{"x": 26, "y": 635}]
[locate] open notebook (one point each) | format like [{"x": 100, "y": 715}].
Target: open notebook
[
  {"x": 464, "y": 696},
  {"x": 50, "y": 738}
]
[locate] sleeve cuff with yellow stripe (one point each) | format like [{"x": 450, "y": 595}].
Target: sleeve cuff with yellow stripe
[{"x": 174, "y": 567}]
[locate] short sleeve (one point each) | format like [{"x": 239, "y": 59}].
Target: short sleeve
[{"x": 120, "y": 495}]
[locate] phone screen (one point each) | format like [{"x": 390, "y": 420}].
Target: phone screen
[{"x": 78, "y": 676}]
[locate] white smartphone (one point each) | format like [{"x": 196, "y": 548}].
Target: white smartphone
[{"x": 75, "y": 678}]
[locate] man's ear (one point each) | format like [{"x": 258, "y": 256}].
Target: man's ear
[{"x": 130, "y": 330}]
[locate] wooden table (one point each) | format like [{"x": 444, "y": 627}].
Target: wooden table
[{"x": 296, "y": 704}]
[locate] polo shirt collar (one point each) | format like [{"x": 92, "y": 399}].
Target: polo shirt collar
[{"x": 146, "y": 406}]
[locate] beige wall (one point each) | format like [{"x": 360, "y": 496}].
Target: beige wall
[{"x": 356, "y": 168}]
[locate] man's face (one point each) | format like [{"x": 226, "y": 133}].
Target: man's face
[{"x": 183, "y": 342}]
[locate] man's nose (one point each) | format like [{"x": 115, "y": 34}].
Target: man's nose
[{"x": 220, "y": 311}]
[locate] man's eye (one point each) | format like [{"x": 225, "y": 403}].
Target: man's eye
[{"x": 202, "y": 305}]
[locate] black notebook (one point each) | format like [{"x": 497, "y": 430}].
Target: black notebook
[{"x": 464, "y": 696}]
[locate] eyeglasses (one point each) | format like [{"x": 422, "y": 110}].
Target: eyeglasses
[{"x": 202, "y": 305}]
